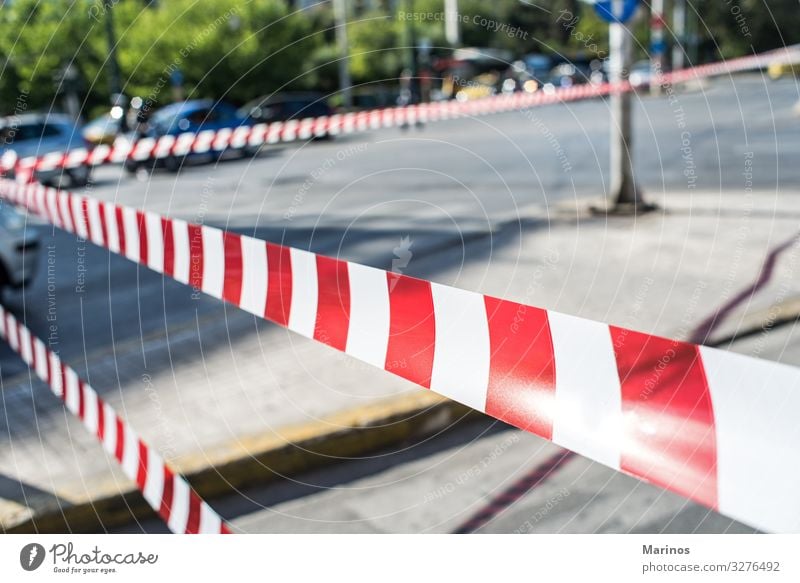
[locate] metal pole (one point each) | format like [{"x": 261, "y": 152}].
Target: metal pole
[
  {"x": 623, "y": 188},
  {"x": 452, "y": 27},
  {"x": 345, "y": 85},
  {"x": 679, "y": 29},
  {"x": 656, "y": 45}
]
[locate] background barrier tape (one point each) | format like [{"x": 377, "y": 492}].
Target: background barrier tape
[
  {"x": 717, "y": 427},
  {"x": 168, "y": 493},
  {"x": 149, "y": 148}
]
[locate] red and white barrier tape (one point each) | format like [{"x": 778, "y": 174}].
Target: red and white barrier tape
[
  {"x": 714, "y": 426},
  {"x": 253, "y": 136},
  {"x": 164, "y": 490}
]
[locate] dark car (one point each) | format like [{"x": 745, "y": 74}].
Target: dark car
[
  {"x": 286, "y": 106},
  {"x": 190, "y": 117}
]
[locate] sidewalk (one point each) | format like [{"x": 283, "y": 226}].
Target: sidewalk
[{"x": 239, "y": 404}]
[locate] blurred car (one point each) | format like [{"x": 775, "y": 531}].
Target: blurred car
[
  {"x": 641, "y": 73},
  {"x": 189, "y": 117},
  {"x": 19, "y": 248},
  {"x": 568, "y": 74},
  {"x": 286, "y": 106},
  {"x": 36, "y": 134},
  {"x": 776, "y": 70},
  {"x": 538, "y": 66},
  {"x": 102, "y": 130}
]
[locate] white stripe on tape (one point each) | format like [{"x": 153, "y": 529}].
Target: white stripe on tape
[
  {"x": 179, "y": 513},
  {"x": 130, "y": 453},
  {"x": 368, "y": 332},
  {"x": 155, "y": 242},
  {"x": 154, "y": 483},
  {"x": 303, "y": 311},
  {"x": 210, "y": 522},
  {"x": 72, "y": 398},
  {"x": 254, "y": 276},
  {"x": 213, "y": 262},
  {"x": 181, "y": 257},
  {"x": 131, "y": 227},
  {"x": 757, "y": 474},
  {"x": 461, "y": 350},
  {"x": 588, "y": 404},
  {"x": 109, "y": 429},
  {"x": 95, "y": 224},
  {"x": 112, "y": 228}
]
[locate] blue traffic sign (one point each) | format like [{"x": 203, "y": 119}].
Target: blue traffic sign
[{"x": 616, "y": 10}]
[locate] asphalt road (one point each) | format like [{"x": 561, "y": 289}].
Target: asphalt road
[{"x": 356, "y": 197}]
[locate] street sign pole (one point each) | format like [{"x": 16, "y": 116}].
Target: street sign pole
[
  {"x": 657, "y": 46},
  {"x": 626, "y": 195}
]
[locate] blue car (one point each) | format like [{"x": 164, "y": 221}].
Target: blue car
[{"x": 190, "y": 117}]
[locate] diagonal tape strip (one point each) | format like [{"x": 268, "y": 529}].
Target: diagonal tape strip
[
  {"x": 713, "y": 426},
  {"x": 164, "y": 490}
]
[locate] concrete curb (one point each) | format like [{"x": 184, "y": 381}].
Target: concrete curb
[{"x": 257, "y": 459}]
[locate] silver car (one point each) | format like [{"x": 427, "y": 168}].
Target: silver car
[
  {"x": 35, "y": 134},
  {"x": 19, "y": 248}
]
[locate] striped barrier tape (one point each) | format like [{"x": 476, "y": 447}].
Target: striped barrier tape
[
  {"x": 168, "y": 493},
  {"x": 206, "y": 141},
  {"x": 716, "y": 427}
]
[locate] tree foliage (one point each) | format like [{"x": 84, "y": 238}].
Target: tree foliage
[{"x": 239, "y": 49}]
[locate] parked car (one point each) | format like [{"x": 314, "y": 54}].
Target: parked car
[
  {"x": 102, "y": 130},
  {"x": 286, "y": 106},
  {"x": 538, "y": 67},
  {"x": 189, "y": 117},
  {"x": 641, "y": 74},
  {"x": 36, "y": 134},
  {"x": 19, "y": 248}
]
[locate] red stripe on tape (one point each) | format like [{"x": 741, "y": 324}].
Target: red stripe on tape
[
  {"x": 141, "y": 472},
  {"x": 193, "y": 521},
  {"x": 333, "y": 307},
  {"x": 522, "y": 375},
  {"x": 279, "y": 284},
  {"x": 141, "y": 225},
  {"x": 169, "y": 247},
  {"x": 120, "y": 230},
  {"x": 232, "y": 288},
  {"x": 166, "y": 498},
  {"x": 668, "y": 421},
  {"x": 412, "y": 329},
  {"x": 119, "y": 452}
]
